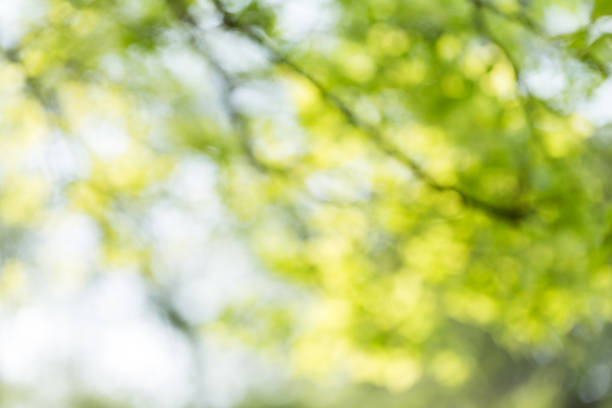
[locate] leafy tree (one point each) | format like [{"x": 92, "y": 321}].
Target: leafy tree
[{"x": 424, "y": 171}]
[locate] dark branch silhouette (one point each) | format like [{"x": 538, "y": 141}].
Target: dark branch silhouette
[
  {"x": 507, "y": 213},
  {"x": 528, "y": 23}
]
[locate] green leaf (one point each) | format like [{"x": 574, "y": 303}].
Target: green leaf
[
  {"x": 602, "y": 8},
  {"x": 602, "y": 48},
  {"x": 577, "y": 40},
  {"x": 256, "y": 14}
]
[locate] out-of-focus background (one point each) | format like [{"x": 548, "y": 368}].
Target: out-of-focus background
[{"x": 323, "y": 203}]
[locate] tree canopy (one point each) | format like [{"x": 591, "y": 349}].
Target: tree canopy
[{"x": 429, "y": 178}]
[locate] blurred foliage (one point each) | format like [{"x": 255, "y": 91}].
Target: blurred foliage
[{"x": 423, "y": 170}]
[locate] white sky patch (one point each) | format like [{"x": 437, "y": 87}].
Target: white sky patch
[
  {"x": 186, "y": 66},
  {"x": 57, "y": 158},
  {"x": 226, "y": 275},
  {"x": 597, "y": 108},
  {"x": 235, "y": 53},
  {"x": 68, "y": 250},
  {"x": 106, "y": 138},
  {"x": 31, "y": 340},
  {"x": 547, "y": 80},
  {"x": 114, "y": 67},
  {"x": 602, "y": 26},
  {"x": 263, "y": 98},
  {"x": 123, "y": 349},
  {"x": 192, "y": 70},
  {"x": 139, "y": 358},
  {"x": 233, "y": 364},
  {"x": 194, "y": 182},
  {"x": 192, "y": 236},
  {"x": 65, "y": 159},
  {"x": 15, "y": 15},
  {"x": 107, "y": 340},
  {"x": 351, "y": 182},
  {"x": 561, "y": 20},
  {"x": 298, "y": 19},
  {"x": 179, "y": 239}
]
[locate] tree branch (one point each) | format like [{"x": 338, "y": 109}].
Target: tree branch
[
  {"x": 525, "y": 165},
  {"x": 507, "y": 213},
  {"x": 531, "y": 25},
  {"x": 237, "y": 120}
]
